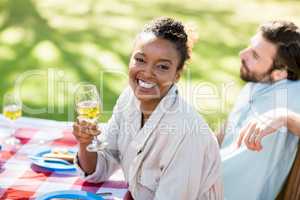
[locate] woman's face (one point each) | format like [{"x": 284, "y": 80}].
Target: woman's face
[{"x": 153, "y": 68}]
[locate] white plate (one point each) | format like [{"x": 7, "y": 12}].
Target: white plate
[{"x": 50, "y": 165}]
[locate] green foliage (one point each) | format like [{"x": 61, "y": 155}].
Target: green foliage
[{"x": 48, "y": 47}]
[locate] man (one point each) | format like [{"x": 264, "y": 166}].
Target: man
[{"x": 271, "y": 67}]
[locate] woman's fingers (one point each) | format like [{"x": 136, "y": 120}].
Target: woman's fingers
[
  {"x": 88, "y": 127},
  {"x": 84, "y": 131},
  {"x": 79, "y": 134}
]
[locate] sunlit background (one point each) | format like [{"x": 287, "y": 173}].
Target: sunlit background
[{"x": 47, "y": 47}]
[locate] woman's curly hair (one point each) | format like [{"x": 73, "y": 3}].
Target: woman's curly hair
[{"x": 175, "y": 32}]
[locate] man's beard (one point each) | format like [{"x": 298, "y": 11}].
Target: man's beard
[{"x": 248, "y": 76}]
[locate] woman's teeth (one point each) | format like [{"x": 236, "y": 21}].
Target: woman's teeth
[{"x": 146, "y": 84}]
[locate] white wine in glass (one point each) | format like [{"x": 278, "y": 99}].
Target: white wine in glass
[
  {"x": 88, "y": 107},
  {"x": 12, "y": 110}
]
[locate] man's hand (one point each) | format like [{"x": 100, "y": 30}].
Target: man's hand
[{"x": 265, "y": 124}]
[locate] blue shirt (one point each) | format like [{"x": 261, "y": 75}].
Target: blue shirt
[{"x": 251, "y": 175}]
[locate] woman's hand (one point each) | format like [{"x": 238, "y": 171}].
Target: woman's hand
[
  {"x": 84, "y": 131},
  {"x": 267, "y": 123}
]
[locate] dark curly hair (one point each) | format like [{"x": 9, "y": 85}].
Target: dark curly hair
[
  {"x": 173, "y": 31},
  {"x": 286, "y": 36}
]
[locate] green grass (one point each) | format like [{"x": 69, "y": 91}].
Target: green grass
[{"x": 48, "y": 47}]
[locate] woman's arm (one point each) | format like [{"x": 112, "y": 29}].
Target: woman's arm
[
  {"x": 87, "y": 160},
  {"x": 96, "y": 167}
]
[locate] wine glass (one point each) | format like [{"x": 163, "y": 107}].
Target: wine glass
[
  {"x": 88, "y": 107},
  {"x": 12, "y": 110}
]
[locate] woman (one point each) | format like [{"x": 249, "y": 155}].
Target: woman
[{"x": 163, "y": 146}]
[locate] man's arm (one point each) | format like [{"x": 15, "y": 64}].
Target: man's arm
[
  {"x": 293, "y": 123},
  {"x": 268, "y": 123},
  {"x": 251, "y": 173}
]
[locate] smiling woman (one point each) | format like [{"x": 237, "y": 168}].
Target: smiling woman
[
  {"x": 154, "y": 135},
  {"x": 160, "y": 52}
]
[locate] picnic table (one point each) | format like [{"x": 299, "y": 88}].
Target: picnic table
[{"x": 20, "y": 178}]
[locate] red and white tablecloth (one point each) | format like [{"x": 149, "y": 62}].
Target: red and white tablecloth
[{"x": 20, "y": 179}]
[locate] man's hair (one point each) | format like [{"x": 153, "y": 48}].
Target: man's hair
[{"x": 286, "y": 36}]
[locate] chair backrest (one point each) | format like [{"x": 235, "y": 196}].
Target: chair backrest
[{"x": 291, "y": 189}]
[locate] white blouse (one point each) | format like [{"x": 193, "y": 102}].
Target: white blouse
[{"x": 174, "y": 156}]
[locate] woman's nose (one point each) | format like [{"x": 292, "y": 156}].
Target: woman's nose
[{"x": 148, "y": 70}]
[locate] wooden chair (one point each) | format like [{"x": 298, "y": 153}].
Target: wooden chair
[{"x": 291, "y": 188}]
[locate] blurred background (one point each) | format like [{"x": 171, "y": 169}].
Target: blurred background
[{"x": 48, "y": 47}]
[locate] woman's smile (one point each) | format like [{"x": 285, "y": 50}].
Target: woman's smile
[{"x": 146, "y": 84}]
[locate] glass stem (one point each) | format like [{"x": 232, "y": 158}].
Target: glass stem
[
  {"x": 96, "y": 141},
  {"x": 13, "y": 129}
]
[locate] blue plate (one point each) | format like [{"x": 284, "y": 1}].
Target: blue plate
[
  {"x": 70, "y": 194},
  {"x": 50, "y": 165}
]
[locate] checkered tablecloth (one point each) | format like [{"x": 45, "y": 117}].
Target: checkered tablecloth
[{"x": 20, "y": 179}]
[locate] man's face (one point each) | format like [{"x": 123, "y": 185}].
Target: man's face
[{"x": 257, "y": 60}]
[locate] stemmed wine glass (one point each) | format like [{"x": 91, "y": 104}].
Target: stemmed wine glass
[
  {"x": 12, "y": 110},
  {"x": 88, "y": 106}
]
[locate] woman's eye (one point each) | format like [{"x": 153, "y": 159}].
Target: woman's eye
[
  {"x": 163, "y": 67},
  {"x": 140, "y": 60}
]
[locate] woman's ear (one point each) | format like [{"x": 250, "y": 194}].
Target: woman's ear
[
  {"x": 178, "y": 75},
  {"x": 279, "y": 74}
]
